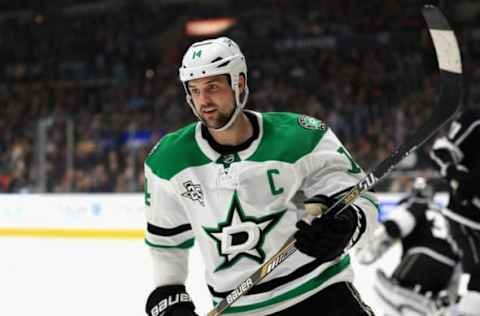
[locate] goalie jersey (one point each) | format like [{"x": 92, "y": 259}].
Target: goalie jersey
[
  {"x": 423, "y": 231},
  {"x": 238, "y": 208},
  {"x": 460, "y": 148}
]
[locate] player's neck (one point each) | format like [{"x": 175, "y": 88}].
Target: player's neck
[{"x": 240, "y": 131}]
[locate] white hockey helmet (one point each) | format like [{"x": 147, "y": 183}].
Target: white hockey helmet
[{"x": 215, "y": 57}]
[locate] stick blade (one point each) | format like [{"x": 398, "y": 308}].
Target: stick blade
[
  {"x": 444, "y": 40},
  {"x": 449, "y": 102}
]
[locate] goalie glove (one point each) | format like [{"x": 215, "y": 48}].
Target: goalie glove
[
  {"x": 327, "y": 236},
  {"x": 373, "y": 249},
  {"x": 170, "y": 300}
]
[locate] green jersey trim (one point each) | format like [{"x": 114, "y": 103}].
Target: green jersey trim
[
  {"x": 285, "y": 139},
  {"x": 184, "y": 245},
  {"x": 175, "y": 152},
  {"x": 371, "y": 200},
  {"x": 299, "y": 290}
]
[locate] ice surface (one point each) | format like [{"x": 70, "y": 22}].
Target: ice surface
[{"x": 79, "y": 277}]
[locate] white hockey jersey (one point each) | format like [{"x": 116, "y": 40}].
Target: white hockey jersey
[{"x": 238, "y": 208}]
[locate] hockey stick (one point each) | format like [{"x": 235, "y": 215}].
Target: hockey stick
[{"x": 449, "y": 61}]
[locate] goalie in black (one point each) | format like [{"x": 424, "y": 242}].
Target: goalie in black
[
  {"x": 458, "y": 157},
  {"x": 425, "y": 280}
]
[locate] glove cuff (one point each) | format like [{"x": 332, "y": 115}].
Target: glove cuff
[
  {"x": 166, "y": 298},
  {"x": 361, "y": 224},
  {"x": 318, "y": 204}
]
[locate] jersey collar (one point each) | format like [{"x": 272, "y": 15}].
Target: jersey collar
[{"x": 243, "y": 154}]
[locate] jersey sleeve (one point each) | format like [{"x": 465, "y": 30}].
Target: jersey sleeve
[
  {"x": 464, "y": 133},
  {"x": 169, "y": 233},
  {"x": 330, "y": 170},
  {"x": 460, "y": 144},
  {"x": 443, "y": 153}
]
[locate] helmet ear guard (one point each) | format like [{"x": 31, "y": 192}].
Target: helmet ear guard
[{"x": 220, "y": 56}]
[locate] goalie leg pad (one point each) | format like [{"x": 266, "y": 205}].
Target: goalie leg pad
[
  {"x": 418, "y": 266},
  {"x": 400, "y": 301},
  {"x": 469, "y": 304},
  {"x": 374, "y": 248}
]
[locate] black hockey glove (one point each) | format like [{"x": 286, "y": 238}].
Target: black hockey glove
[
  {"x": 327, "y": 236},
  {"x": 170, "y": 300}
]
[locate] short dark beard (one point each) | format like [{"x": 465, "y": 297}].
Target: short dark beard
[
  {"x": 223, "y": 119},
  {"x": 228, "y": 149}
]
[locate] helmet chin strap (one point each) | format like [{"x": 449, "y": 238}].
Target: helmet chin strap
[
  {"x": 239, "y": 105},
  {"x": 229, "y": 123}
]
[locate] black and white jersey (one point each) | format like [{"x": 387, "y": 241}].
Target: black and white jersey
[
  {"x": 423, "y": 229},
  {"x": 461, "y": 147}
]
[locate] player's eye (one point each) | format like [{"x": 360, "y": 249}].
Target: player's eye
[
  {"x": 194, "y": 91},
  {"x": 213, "y": 87}
]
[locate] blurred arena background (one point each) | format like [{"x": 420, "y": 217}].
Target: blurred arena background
[{"x": 87, "y": 87}]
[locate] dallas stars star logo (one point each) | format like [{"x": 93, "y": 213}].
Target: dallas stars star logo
[{"x": 240, "y": 235}]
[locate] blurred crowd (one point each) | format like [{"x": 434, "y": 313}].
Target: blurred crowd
[{"x": 85, "y": 94}]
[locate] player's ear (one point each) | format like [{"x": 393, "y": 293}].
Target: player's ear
[{"x": 241, "y": 83}]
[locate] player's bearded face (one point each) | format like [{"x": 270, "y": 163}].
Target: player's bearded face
[{"x": 214, "y": 100}]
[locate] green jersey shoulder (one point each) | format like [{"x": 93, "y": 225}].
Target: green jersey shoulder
[
  {"x": 288, "y": 136},
  {"x": 284, "y": 137},
  {"x": 175, "y": 152}
]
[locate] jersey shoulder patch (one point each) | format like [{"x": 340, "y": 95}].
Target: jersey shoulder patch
[
  {"x": 175, "y": 152},
  {"x": 288, "y": 136},
  {"x": 309, "y": 122}
]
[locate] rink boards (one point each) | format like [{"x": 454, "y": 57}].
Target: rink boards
[{"x": 96, "y": 215}]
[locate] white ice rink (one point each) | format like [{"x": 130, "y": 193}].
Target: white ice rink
[{"x": 98, "y": 277}]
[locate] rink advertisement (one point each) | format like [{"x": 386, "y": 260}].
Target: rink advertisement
[{"x": 96, "y": 215}]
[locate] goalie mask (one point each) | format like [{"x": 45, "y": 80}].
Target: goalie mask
[{"x": 220, "y": 56}]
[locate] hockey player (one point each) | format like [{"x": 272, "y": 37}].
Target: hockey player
[
  {"x": 426, "y": 278},
  {"x": 227, "y": 182},
  {"x": 458, "y": 157}
]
